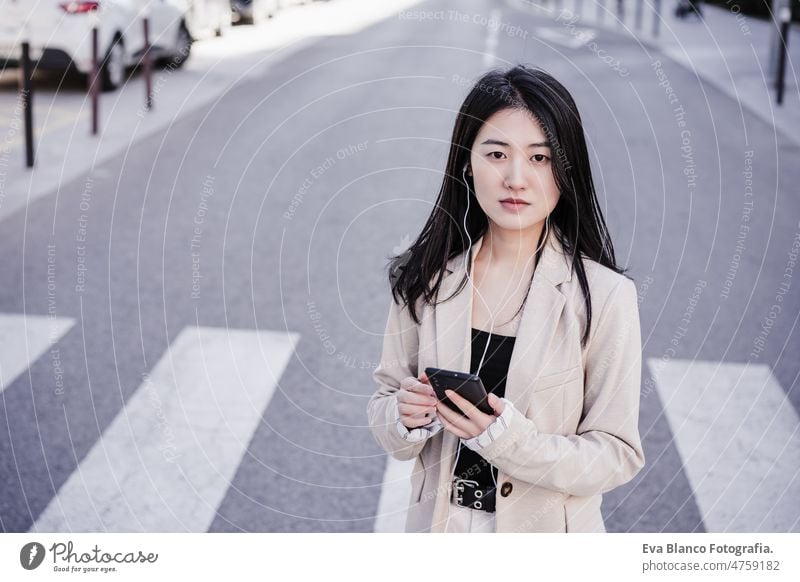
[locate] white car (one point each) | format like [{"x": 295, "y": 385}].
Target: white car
[
  {"x": 60, "y": 34},
  {"x": 253, "y": 11},
  {"x": 208, "y": 17}
]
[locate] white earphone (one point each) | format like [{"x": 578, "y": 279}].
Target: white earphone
[{"x": 466, "y": 257}]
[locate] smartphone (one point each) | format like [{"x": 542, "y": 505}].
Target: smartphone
[{"x": 468, "y": 386}]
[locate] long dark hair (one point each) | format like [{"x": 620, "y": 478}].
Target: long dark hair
[{"x": 578, "y": 220}]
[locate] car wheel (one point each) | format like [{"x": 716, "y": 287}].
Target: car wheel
[
  {"x": 112, "y": 69},
  {"x": 183, "y": 46}
]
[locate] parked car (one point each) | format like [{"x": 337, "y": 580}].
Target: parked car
[
  {"x": 60, "y": 34},
  {"x": 208, "y": 17},
  {"x": 253, "y": 11}
]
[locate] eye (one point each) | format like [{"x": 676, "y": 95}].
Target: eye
[
  {"x": 540, "y": 157},
  {"x": 496, "y": 157}
]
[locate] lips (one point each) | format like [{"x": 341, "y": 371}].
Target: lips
[{"x": 515, "y": 205}]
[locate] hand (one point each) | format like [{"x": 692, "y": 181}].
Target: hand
[
  {"x": 416, "y": 402},
  {"x": 476, "y": 421}
]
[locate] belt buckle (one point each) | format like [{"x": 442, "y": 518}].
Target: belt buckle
[{"x": 458, "y": 488}]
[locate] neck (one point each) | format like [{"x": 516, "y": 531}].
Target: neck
[{"x": 511, "y": 248}]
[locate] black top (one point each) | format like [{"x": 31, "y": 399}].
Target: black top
[{"x": 493, "y": 374}]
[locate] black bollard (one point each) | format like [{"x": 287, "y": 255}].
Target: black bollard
[
  {"x": 94, "y": 89},
  {"x": 783, "y": 48},
  {"x": 148, "y": 67},
  {"x": 27, "y": 102}
]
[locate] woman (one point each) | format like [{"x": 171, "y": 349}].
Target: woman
[{"x": 513, "y": 278}]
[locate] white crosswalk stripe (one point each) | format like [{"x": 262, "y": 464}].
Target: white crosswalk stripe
[
  {"x": 737, "y": 434},
  {"x": 396, "y": 490},
  {"x": 23, "y": 340},
  {"x": 167, "y": 459}
]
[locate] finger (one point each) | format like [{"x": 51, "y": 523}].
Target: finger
[
  {"x": 465, "y": 405},
  {"x": 453, "y": 417},
  {"x": 424, "y": 378},
  {"x": 470, "y": 426},
  {"x": 452, "y": 428},
  {"x": 413, "y": 409},
  {"x": 420, "y": 388},
  {"x": 418, "y": 399},
  {"x": 425, "y": 417},
  {"x": 406, "y": 395},
  {"x": 414, "y": 422},
  {"x": 411, "y": 383},
  {"x": 496, "y": 403},
  {"x": 425, "y": 393},
  {"x": 407, "y": 382}
]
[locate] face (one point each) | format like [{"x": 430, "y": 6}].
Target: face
[{"x": 512, "y": 172}]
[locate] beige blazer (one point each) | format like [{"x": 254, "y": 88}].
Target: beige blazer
[{"x": 576, "y": 434}]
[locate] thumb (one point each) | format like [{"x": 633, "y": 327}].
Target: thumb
[{"x": 496, "y": 403}]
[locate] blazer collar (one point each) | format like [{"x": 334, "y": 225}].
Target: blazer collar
[{"x": 532, "y": 348}]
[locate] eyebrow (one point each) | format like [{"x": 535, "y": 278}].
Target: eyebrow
[{"x": 490, "y": 141}]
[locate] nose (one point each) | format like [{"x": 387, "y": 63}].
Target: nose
[{"x": 515, "y": 176}]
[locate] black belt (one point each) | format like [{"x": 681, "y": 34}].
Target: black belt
[{"x": 467, "y": 493}]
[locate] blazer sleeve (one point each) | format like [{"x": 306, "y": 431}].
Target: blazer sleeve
[
  {"x": 606, "y": 450},
  {"x": 398, "y": 361}
]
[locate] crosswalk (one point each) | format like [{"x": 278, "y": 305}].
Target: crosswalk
[
  {"x": 167, "y": 460},
  {"x": 24, "y": 339},
  {"x": 396, "y": 490},
  {"x": 737, "y": 434}
]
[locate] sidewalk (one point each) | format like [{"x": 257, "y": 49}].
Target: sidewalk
[{"x": 727, "y": 50}]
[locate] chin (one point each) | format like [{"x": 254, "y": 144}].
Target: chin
[{"x": 507, "y": 223}]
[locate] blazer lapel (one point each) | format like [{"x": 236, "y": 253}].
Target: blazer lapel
[
  {"x": 454, "y": 316},
  {"x": 538, "y": 325}
]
